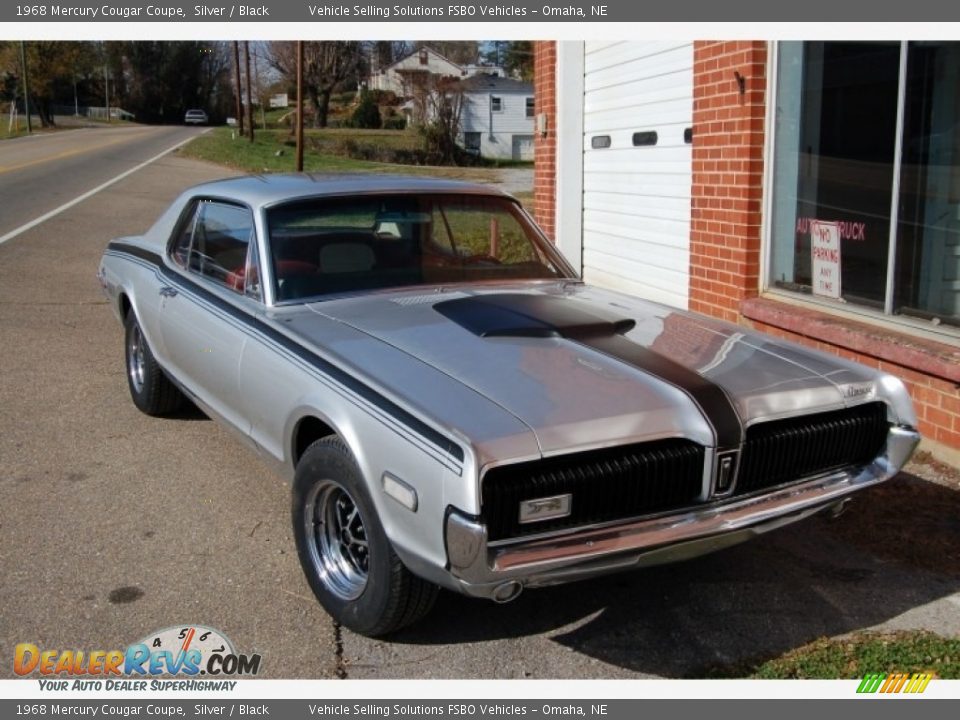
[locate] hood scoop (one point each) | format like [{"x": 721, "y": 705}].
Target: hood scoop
[{"x": 522, "y": 315}]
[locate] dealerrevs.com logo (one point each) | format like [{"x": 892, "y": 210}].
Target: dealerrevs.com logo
[{"x": 187, "y": 650}]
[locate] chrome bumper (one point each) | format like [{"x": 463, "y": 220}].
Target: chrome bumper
[{"x": 497, "y": 571}]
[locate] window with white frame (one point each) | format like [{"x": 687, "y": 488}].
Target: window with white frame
[
  {"x": 529, "y": 107},
  {"x": 496, "y": 103},
  {"x": 866, "y": 176}
]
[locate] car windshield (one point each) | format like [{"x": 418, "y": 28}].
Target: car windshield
[{"x": 338, "y": 245}]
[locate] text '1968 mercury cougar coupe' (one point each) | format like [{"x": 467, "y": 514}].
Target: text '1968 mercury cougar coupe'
[{"x": 456, "y": 409}]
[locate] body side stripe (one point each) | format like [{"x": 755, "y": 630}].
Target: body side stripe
[{"x": 334, "y": 373}]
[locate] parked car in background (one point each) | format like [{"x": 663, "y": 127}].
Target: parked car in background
[
  {"x": 456, "y": 409},
  {"x": 196, "y": 117}
]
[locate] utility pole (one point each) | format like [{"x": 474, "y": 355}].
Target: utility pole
[
  {"x": 236, "y": 72},
  {"x": 26, "y": 86},
  {"x": 246, "y": 56},
  {"x": 256, "y": 74},
  {"x": 106, "y": 90},
  {"x": 299, "y": 106}
]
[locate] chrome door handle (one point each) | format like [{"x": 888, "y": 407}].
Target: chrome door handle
[{"x": 168, "y": 291}]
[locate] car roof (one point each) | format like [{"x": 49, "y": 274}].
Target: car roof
[{"x": 268, "y": 189}]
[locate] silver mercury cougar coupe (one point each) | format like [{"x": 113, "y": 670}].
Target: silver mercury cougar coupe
[{"x": 456, "y": 409}]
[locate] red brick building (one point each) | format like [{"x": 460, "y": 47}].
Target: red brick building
[{"x": 808, "y": 190}]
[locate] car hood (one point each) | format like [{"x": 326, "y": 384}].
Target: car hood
[{"x": 545, "y": 365}]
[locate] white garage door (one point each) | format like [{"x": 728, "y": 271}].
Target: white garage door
[
  {"x": 638, "y": 111},
  {"x": 523, "y": 147}
]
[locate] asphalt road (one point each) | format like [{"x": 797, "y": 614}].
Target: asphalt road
[
  {"x": 42, "y": 172},
  {"x": 114, "y": 525}
]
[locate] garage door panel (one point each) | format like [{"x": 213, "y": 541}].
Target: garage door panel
[
  {"x": 664, "y": 280},
  {"x": 599, "y": 56},
  {"x": 652, "y": 89},
  {"x": 656, "y": 232},
  {"x": 628, "y": 165},
  {"x": 640, "y": 273},
  {"x": 634, "y": 285},
  {"x": 627, "y": 239},
  {"x": 636, "y": 200},
  {"x": 629, "y": 156},
  {"x": 620, "y": 144},
  {"x": 674, "y": 114},
  {"x": 676, "y": 62},
  {"x": 600, "y": 183},
  {"x": 622, "y": 207},
  {"x": 651, "y": 256},
  {"x": 657, "y": 99}
]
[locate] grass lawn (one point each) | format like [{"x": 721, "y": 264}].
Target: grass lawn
[
  {"x": 854, "y": 656},
  {"x": 222, "y": 146}
]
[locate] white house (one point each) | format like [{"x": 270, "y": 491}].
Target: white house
[
  {"x": 497, "y": 117},
  {"x": 407, "y": 73}
]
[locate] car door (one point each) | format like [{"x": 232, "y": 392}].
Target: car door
[{"x": 205, "y": 314}]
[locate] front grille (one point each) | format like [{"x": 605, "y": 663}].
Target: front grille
[
  {"x": 789, "y": 450},
  {"x": 609, "y": 484}
]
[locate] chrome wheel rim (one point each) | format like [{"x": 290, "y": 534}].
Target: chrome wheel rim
[
  {"x": 337, "y": 540},
  {"x": 136, "y": 360}
]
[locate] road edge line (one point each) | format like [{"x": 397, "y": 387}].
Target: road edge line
[{"x": 90, "y": 193}]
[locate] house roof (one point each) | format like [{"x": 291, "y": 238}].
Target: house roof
[
  {"x": 490, "y": 83},
  {"x": 409, "y": 55}
]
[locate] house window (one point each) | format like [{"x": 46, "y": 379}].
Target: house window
[
  {"x": 424, "y": 58},
  {"x": 471, "y": 142},
  {"x": 529, "y": 107},
  {"x": 496, "y": 103},
  {"x": 866, "y": 176}
]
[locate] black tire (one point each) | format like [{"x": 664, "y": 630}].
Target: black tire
[
  {"x": 151, "y": 390},
  {"x": 357, "y": 577}
]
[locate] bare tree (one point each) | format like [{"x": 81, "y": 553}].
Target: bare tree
[
  {"x": 384, "y": 53},
  {"x": 462, "y": 52},
  {"x": 326, "y": 64},
  {"x": 440, "y": 102}
]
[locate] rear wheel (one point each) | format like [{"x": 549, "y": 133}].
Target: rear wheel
[
  {"x": 151, "y": 390},
  {"x": 345, "y": 554}
]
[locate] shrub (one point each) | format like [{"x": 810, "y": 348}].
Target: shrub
[{"x": 366, "y": 114}]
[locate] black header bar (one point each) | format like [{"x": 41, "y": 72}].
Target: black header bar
[{"x": 529, "y": 11}]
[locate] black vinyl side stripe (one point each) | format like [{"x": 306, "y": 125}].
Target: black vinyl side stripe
[
  {"x": 336, "y": 374},
  {"x": 518, "y": 314}
]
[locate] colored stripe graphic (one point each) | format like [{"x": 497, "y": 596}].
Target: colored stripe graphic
[
  {"x": 894, "y": 683},
  {"x": 871, "y": 682}
]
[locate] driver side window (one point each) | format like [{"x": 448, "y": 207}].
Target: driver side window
[{"x": 217, "y": 241}]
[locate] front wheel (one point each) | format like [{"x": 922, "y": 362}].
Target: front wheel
[{"x": 344, "y": 552}]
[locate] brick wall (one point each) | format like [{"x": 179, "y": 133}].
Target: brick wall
[
  {"x": 545, "y": 147},
  {"x": 727, "y": 174}
]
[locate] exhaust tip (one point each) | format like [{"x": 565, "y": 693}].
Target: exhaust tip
[
  {"x": 839, "y": 509},
  {"x": 507, "y": 591}
]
